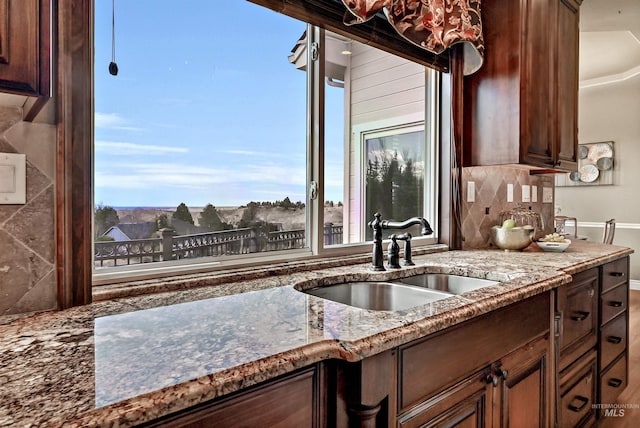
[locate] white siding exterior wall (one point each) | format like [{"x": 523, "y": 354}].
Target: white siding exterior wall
[{"x": 384, "y": 91}]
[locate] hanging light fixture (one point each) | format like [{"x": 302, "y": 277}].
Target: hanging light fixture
[{"x": 113, "y": 67}]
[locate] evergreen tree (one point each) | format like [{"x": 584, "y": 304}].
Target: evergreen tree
[
  {"x": 210, "y": 218},
  {"x": 249, "y": 215},
  {"x": 104, "y": 218},
  {"x": 162, "y": 221},
  {"x": 182, "y": 213}
]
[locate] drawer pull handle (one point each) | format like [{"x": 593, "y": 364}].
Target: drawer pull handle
[
  {"x": 582, "y": 402},
  {"x": 615, "y": 382},
  {"x": 580, "y": 316},
  {"x": 614, "y": 339},
  {"x": 615, "y": 303},
  {"x": 617, "y": 273}
]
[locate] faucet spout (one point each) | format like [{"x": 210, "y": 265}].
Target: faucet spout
[{"x": 413, "y": 221}]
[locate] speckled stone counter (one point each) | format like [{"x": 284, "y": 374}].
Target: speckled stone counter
[{"x": 125, "y": 361}]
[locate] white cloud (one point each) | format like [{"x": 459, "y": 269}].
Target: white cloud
[
  {"x": 113, "y": 121},
  {"x": 184, "y": 176},
  {"x": 124, "y": 148}
]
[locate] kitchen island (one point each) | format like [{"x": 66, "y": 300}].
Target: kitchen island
[{"x": 131, "y": 360}]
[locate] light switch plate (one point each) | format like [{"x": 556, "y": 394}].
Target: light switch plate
[
  {"x": 534, "y": 193},
  {"x": 471, "y": 191},
  {"x": 509, "y": 192},
  {"x": 13, "y": 178}
]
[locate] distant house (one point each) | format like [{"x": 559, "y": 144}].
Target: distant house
[{"x": 131, "y": 231}]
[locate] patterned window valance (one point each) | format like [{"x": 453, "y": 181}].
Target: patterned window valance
[{"x": 433, "y": 25}]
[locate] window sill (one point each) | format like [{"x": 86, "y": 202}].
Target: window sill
[{"x": 176, "y": 282}]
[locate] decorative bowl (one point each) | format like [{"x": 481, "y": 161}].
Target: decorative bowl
[
  {"x": 515, "y": 239},
  {"x": 554, "y": 247}
]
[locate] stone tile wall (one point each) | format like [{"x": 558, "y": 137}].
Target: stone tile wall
[
  {"x": 27, "y": 232},
  {"x": 491, "y": 193}
]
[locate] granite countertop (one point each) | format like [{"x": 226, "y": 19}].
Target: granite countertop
[{"x": 128, "y": 360}]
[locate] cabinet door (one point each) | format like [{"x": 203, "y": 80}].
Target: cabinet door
[
  {"x": 537, "y": 116},
  {"x": 567, "y": 78},
  {"x": 525, "y": 386},
  {"x": 284, "y": 403},
  {"x": 466, "y": 404},
  {"x": 24, "y": 47}
]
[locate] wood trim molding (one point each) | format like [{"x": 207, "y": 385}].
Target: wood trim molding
[
  {"x": 74, "y": 158},
  {"x": 4, "y": 31},
  {"x": 377, "y": 32}
]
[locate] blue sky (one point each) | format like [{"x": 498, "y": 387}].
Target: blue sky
[{"x": 205, "y": 108}]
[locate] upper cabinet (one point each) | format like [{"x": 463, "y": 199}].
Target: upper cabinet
[
  {"x": 522, "y": 105},
  {"x": 25, "y": 47}
]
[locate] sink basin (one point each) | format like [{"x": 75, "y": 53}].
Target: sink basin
[
  {"x": 379, "y": 296},
  {"x": 453, "y": 284}
]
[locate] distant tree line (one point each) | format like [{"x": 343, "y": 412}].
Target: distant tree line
[
  {"x": 106, "y": 217},
  {"x": 393, "y": 190}
]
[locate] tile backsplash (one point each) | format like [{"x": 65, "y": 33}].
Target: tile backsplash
[
  {"x": 491, "y": 187},
  {"x": 27, "y": 231}
]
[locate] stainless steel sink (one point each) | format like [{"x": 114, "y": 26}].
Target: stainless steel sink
[
  {"x": 453, "y": 284},
  {"x": 399, "y": 294},
  {"x": 378, "y": 296}
]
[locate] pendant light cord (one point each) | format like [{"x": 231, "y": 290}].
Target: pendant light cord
[{"x": 113, "y": 30}]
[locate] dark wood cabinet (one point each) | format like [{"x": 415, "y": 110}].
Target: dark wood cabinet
[
  {"x": 613, "y": 352},
  {"x": 495, "y": 373},
  {"x": 578, "y": 386},
  {"x": 566, "y": 67},
  {"x": 592, "y": 341},
  {"x": 467, "y": 403},
  {"x": 521, "y": 106},
  {"x": 25, "y": 47},
  {"x": 577, "y": 304},
  {"x": 291, "y": 401}
]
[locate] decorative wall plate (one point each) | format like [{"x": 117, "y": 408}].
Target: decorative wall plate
[
  {"x": 589, "y": 173},
  {"x": 604, "y": 164},
  {"x": 583, "y": 152},
  {"x": 600, "y": 150}
]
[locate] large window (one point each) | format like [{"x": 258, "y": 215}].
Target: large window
[{"x": 209, "y": 147}]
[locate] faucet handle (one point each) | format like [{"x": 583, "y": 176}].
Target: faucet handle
[
  {"x": 406, "y": 237},
  {"x": 394, "y": 252}
]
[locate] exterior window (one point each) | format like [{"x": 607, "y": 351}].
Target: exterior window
[
  {"x": 204, "y": 153},
  {"x": 394, "y": 184}
]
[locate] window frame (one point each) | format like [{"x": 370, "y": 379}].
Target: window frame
[{"x": 73, "y": 44}]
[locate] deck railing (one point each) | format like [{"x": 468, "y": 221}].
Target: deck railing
[{"x": 212, "y": 244}]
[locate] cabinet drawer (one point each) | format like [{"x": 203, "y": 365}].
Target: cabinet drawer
[
  {"x": 613, "y": 340},
  {"x": 615, "y": 273},
  {"x": 613, "y": 303},
  {"x": 578, "y": 393},
  {"x": 578, "y": 303},
  {"x": 613, "y": 381}
]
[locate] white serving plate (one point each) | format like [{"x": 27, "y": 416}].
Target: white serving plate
[{"x": 554, "y": 247}]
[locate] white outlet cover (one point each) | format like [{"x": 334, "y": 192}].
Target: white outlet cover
[
  {"x": 534, "y": 193},
  {"x": 509, "y": 192},
  {"x": 526, "y": 193},
  {"x": 13, "y": 178}
]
